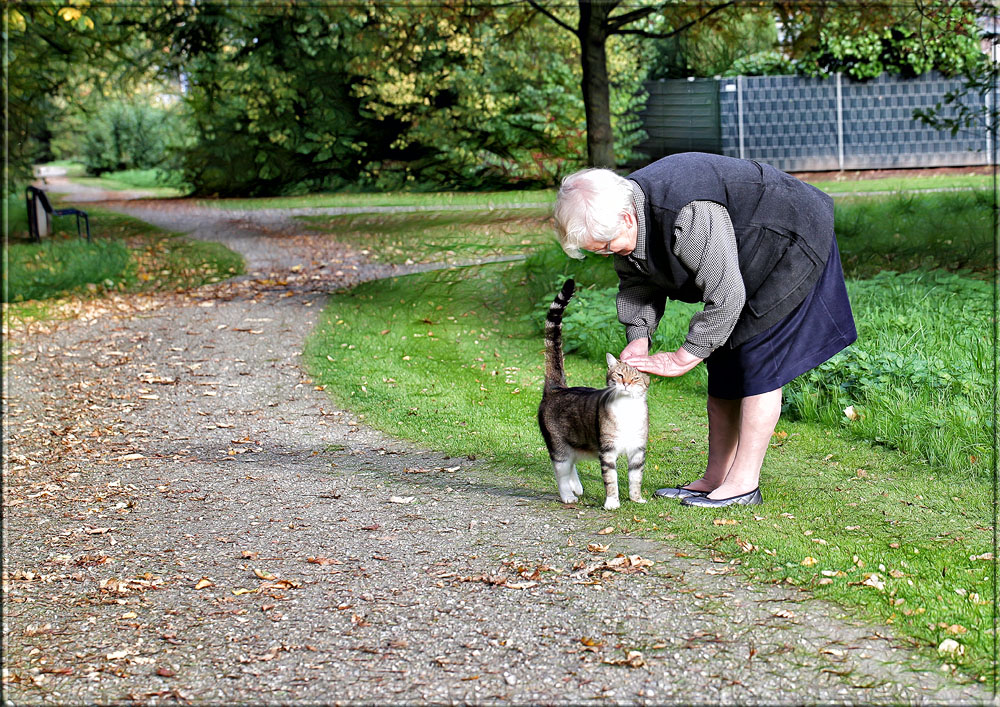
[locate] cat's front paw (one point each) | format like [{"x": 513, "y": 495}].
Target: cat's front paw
[
  {"x": 568, "y": 497},
  {"x": 611, "y": 504},
  {"x": 637, "y": 499}
]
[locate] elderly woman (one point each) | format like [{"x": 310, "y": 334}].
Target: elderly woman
[{"x": 754, "y": 244}]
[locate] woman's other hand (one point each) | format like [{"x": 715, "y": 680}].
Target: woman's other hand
[
  {"x": 668, "y": 364},
  {"x": 636, "y": 347}
]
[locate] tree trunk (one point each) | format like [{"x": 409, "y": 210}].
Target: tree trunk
[{"x": 593, "y": 35}]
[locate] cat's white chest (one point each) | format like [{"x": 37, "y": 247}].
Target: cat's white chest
[{"x": 631, "y": 422}]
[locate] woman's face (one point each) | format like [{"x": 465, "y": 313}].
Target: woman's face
[{"x": 623, "y": 242}]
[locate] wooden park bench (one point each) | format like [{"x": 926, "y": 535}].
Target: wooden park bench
[{"x": 40, "y": 213}]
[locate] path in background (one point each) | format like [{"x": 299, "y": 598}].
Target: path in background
[{"x": 188, "y": 518}]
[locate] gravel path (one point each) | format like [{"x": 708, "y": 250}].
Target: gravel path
[{"x": 186, "y": 518}]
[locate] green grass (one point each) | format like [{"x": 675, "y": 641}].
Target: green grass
[
  {"x": 73, "y": 168},
  {"x": 447, "y": 236},
  {"x": 505, "y": 199},
  {"x": 59, "y": 267},
  {"x": 508, "y": 199},
  {"x": 15, "y": 220},
  {"x": 952, "y": 230},
  {"x": 126, "y": 255},
  {"x": 453, "y": 360},
  {"x": 155, "y": 182},
  {"x": 895, "y": 184}
]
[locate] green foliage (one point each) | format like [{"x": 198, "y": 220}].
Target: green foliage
[
  {"x": 743, "y": 41},
  {"x": 297, "y": 98},
  {"x": 59, "y": 53},
  {"x": 901, "y": 40},
  {"x": 128, "y": 135},
  {"x": 485, "y": 96},
  {"x": 269, "y": 99}
]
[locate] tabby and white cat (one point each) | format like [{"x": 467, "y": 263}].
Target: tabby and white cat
[{"x": 583, "y": 423}]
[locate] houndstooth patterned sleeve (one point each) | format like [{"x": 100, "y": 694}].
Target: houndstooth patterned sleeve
[
  {"x": 705, "y": 242},
  {"x": 640, "y": 303}
]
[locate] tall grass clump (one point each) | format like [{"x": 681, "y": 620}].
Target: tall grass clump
[
  {"x": 59, "y": 267},
  {"x": 909, "y": 231},
  {"x": 919, "y": 376}
]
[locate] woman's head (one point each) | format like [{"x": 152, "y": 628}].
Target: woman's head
[{"x": 590, "y": 207}]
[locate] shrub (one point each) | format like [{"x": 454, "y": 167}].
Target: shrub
[{"x": 125, "y": 136}]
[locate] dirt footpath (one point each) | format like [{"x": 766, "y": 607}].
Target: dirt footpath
[{"x": 186, "y": 518}]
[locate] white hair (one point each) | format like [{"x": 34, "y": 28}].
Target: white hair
[{"x": 590, "y": 205}]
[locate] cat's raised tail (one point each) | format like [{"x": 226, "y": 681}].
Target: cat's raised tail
[{"x": 555, "y": 376}]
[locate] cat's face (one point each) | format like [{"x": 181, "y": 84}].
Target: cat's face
[{"x": 626, "y": 379}]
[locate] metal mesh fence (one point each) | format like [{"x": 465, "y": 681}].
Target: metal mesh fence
[{"x": 804, "y": 124}]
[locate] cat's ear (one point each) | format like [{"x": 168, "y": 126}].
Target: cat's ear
[{"x": 612, "y": 361}]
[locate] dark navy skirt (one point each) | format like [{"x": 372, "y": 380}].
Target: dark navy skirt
[{"x": 812, "y": 333}]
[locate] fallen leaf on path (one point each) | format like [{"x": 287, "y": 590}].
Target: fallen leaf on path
[
  {"x": 632, "y": 659},
  {"x": 204, "y": 582},
  {"x": 262, "y": 574},
  {"x": 282, "y": 584},
  {"x": 323, "y": 561},
  {"x": 402, "y": 499},
  {"x": 606, "y": 531},
  {"x": 597, "y": 547}
]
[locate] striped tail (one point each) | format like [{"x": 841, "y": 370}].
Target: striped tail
[{"x": 555, "y": 376}]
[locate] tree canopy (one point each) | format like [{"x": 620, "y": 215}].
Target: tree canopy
[{"x": 294, "y": 96}]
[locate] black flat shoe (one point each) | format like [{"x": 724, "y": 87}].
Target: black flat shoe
[
  {"x": 753, "y": 498},
  {"x": 679, "y": 492}
]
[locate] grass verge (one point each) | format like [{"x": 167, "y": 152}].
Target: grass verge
[
  {"x": 950, "y": 230},
  {"x": 453, "y": 359},
  {"x": 126, "y": 255},
  {"x": 547, "y": 196},
  {"x": 154, "y": 182},
  {"x": 487, "y": 200},
  {"x": 445, "y": 236}
]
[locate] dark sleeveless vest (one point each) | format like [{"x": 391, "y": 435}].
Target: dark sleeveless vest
[{"x": 784, "y": 231}]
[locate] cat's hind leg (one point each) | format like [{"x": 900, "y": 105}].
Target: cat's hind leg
[
  {"x": 565, "y": 472},
  {"x": 609, "y": 472},
  {"x": 636, "y": 462}
]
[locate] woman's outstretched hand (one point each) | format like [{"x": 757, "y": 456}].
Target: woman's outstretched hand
[{"x": 672, "y": 364}]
